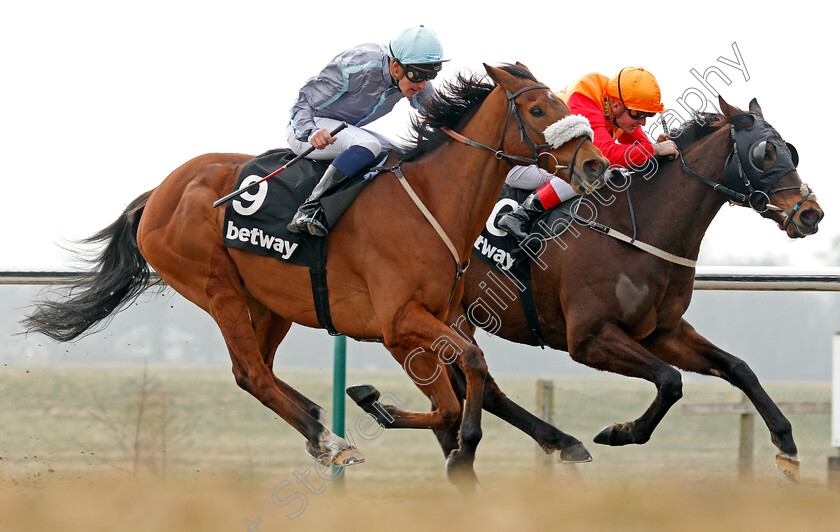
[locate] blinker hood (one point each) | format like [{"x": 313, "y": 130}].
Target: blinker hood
[{"x": 744, "y": 171}]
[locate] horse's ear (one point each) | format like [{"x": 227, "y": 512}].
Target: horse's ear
[
  {"x": 755, "y": 108},
  {"x": 726, "y": 109},
  {"x": 498, "y": 75},
  {"x": 522, "y": 66}
]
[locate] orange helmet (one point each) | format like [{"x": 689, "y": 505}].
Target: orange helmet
[{"x": 636, "y": 89}]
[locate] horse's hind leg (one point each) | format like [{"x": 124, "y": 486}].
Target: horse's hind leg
[
  {"x": 229, "y": 309},
  {"x": 611, "y": 349},
  {"x": 215, "y": 286},
  {"x": 270, "y": 329},
  {"x": 688, "y": 350}
]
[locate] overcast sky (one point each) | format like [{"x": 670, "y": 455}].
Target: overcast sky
[{"x": 101, "y": 100}]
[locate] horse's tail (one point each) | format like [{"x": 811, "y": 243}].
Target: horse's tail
[{"x": 119, "y": 274}]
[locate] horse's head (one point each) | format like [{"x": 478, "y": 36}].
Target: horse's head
[
  {"x": 546, "y": 131},
  {"x": 762, "y": 167}
]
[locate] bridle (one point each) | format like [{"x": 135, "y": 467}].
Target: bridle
[
  {"x": 738, "y": 185},
  {"x": 538, "y": 150}
]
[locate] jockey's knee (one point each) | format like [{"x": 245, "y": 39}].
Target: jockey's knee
[{"x": 370, "y": 143}]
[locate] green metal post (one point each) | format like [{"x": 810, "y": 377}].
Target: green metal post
[{"x": 339, "y": 383}]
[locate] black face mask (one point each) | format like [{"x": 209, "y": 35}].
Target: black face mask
[{"x": 746, "y": 170}]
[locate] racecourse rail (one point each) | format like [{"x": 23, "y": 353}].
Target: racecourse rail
[{"x": 706, "y": 278}]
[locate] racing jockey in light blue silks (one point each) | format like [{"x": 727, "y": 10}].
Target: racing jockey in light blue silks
[{"x": 357, "y": 87}]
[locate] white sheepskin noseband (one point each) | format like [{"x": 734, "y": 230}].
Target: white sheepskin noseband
[{"x": 567, "y": 129}]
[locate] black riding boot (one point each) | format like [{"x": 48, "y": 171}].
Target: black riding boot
[
  {"x": 518, "y": 222},
  {"x": 309, "y": 218}
]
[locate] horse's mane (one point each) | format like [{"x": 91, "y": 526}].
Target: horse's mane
[
  {"x": 703, "y": 124},
  {"x": 453, "y": 104}
]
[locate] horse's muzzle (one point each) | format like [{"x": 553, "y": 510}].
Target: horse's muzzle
[
  {"x": 588, "y": 175},
  {"x": 805, "y": 222}
]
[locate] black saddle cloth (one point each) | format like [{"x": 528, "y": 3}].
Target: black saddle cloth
[
  {"x": 502, "y": 251},
  {"x": 256, "y": 221}
]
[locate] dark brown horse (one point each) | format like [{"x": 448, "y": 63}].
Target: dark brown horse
[
  {"x": 390, "y": 274},
  {"x": 616, "y": 308}
]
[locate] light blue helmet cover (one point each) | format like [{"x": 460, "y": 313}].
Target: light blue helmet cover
[{"x": 417, "y": 46}]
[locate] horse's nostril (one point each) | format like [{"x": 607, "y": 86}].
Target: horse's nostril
[
  {"x": 594, "y": 167},
  {"x": 810, "y": 217}
]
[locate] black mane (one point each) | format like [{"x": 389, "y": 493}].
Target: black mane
[
  {"x": 700, "y": 126},
  {"x": 704, "y": 124},
  {"x": 454, "y": 103}
]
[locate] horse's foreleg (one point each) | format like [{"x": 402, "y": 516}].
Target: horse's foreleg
[
  {"x": 424, "y": 346},
  {"x": 688, "y": 350},
  {"x": 549, "y": 437},
  {"x": 448, "y": 439},
  {"x": 470, "y": 360},
  {"x": 609, "y": 348}
]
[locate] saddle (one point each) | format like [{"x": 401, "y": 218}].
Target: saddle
[{"x": 256, "y": 221}]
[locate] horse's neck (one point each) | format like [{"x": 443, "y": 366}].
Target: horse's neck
[
  {"x": 674, "y": 209},
  {"x": 459, "y": 184}
]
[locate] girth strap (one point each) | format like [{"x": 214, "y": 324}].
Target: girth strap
[
  {"x": 529, "y": 309},
  {"x": 318, "y": 278}
]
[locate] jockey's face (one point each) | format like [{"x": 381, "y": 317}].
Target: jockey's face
[
  {"x": 407, "y": 87},
  {"x": 623, "y": 120}
]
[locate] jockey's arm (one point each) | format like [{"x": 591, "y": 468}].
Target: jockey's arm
[{"x": 326, "y": 86}]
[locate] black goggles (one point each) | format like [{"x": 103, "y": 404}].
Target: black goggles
[
  {"x": 638, "y": 115},
  {"x": 418, "y": 74}
]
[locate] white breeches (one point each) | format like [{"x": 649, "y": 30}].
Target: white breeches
[
  {"x": 533, "y": 177},
  {"x": 351, "y": 136}
]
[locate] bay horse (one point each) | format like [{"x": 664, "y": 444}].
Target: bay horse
[
  {"x": 391, "y": 276},
  {"x": 616, "y": 308}
]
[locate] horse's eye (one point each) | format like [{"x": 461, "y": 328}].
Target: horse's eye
[{"x": 537, "y": 112}]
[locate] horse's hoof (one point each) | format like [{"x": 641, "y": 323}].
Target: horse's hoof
[
  {"x": 461, "y": 474},
  {"x": 348, "y": 457},
  {"x": 344, "y": 457},
  {"x": 614, "y": 436},
  {"x": 362, "y": 394},
  {"x": 575, "y": 454},
  {"x": 323, "y": 458},
  {"x": 788, "y": 465}
]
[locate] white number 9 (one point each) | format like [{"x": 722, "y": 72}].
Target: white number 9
[{"x": 255, "y": 199}]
